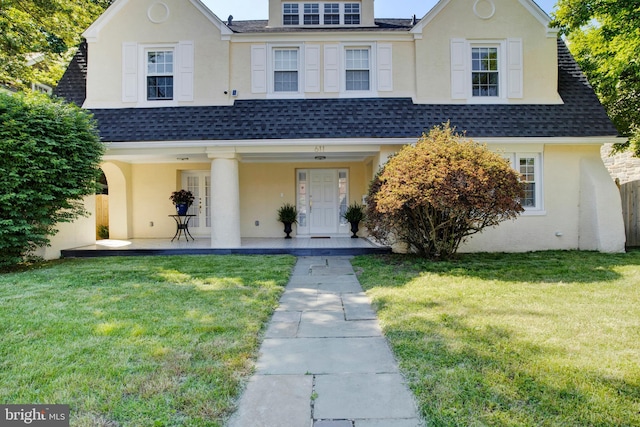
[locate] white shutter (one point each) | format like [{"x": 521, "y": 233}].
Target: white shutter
[
  {"x": 312, "y": 68},
  {"x": 185, "y": 70},
  {"x": 459, "y": 69},
  {"x": 385, "y": 67},
  {"x": 331, "y": 68},
  {"x": 129, "y": 72},
  {"x": 259, "y": 69},
  {"x": 514, "y": 68}
]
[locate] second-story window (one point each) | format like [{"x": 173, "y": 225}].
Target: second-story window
[
  {"x": 331, "y": 14},
  {"x": 290, "y": 14},
  {"x": 352, "y": 13},
  {"x": 311, "y": 14},
  {"x": 357, "y": 69},
  {"x": 159, "y": 75},
  {"x": 484, "y": 71},
  {"x": 285, "y": 70}
]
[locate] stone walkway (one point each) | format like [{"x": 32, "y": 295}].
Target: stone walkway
[{"x": 324, "y": 361}]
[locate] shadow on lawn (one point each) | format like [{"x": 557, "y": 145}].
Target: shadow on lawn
[
  {"x": 542, "y": 267},
  {"x": 463, "y": 375}
]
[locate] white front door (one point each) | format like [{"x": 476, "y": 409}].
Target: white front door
[
  {"x": 199, "y": 183},
  {"x": 323, "y": 201}
]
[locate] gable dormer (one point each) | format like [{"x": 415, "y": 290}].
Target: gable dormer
[{"x": 321, "y": 14}]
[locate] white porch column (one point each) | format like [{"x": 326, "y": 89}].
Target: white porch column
[{"x": 225, "y": 201}]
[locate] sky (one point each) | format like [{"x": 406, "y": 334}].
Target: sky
[{"x": 257, "y": 9}]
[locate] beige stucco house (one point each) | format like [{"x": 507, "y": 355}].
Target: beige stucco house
[{"x": 306, "y": 106}]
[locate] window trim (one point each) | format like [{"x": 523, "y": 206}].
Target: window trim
[
  {"x": 142, "y": 76},
  {"x": 373, "y": 82},
  {"x": 275, "y": 70},
  {"x": 271, "y": 48},
  {"x": 284, "y": 5},
  {"x": 344, "y": 13},
  {"x": 347, "y": 69},
  {"x": 171, "y": 74},
  {"x": 514, "y": 160},
  {"x": 488, "y": 72},
  {"x": 500, "y": 45}
]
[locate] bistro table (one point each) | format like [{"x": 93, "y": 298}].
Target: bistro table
[{"x": 182, "y": 226}]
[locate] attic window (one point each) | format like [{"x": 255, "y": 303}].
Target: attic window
[
  {"x": 311, "y": 14},
  {"x": 331, "y": 14},
  {"x": 352, "y": 13},
  {"x": 290, "y": 14},
  {"x": 321, "y": 13}
]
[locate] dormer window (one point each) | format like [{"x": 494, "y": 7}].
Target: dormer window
[
  {"x": 290, "y": 14},
  {"x": 321, "y": 13},
  {"x": 311, "y": 14},
  {"x": 352, "y": 14},
  {"x": 331, "y": 14}
]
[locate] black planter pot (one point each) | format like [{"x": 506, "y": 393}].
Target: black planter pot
[
  {"x": 354, "y": 229},
  {"x": 287, "y": 229}
]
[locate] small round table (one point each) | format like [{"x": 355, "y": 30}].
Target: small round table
[{"x": 182, "y": 226}]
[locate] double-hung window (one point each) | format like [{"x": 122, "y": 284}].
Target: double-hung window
[
  {"x": 357, "y": 67},
  {"x": 528, "y": 174},
  {"x": 285, "y": 74},
  {"x": 331, "y": 14},
  {"x": 290, "y": 14},
  {"x": 485, "y": 75},
  {"x": 311, "y": 14},
  {"x": 352, "y": 13},
  {"x": 159, "y": 75},
  {"x": 529, "y": 166}
]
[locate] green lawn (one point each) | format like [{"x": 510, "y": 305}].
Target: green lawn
[
  {"x": 537, "y": 339},
  {"x": 144, "y": 341}
]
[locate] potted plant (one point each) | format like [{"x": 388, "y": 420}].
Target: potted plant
[
  {"x": 182, "y": 199},
  {"x": 354, "y": 214},
  {"x": 288, "y": 214}
]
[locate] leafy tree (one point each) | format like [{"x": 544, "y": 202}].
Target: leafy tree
[
  {"x": 434, "y": 194},
  {"x": 29, "y": 28},
  {"x": 50, "y": 153},
  {"x": 604, "y": 37}
]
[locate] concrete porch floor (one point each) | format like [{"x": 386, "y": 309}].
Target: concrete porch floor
[{"x": 332, "y": 246}]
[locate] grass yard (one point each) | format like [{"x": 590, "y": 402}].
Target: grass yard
[
  {"x": 536, "y": 339},
  {"x": 136, "y": 342}
]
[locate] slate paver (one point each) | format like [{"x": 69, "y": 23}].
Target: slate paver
[{"x": 324, "y": 361}]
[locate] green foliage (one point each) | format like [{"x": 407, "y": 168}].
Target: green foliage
[
  {"x": 50, "y": 155},
  {"x": 49, "y": 27},
  {"x": 182, "y": 197},
  {"x": 604, "y": 37},
  {"x": 355, "y": 212},
  {"x": 103, "y": 231},
  {"x": 432, "y": 195},
  {"x": 288, "y": 214}
]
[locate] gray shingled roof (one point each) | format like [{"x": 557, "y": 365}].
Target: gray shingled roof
[
  {"x": 581, "y": 115},
  {"x": 73, "y": 84}
]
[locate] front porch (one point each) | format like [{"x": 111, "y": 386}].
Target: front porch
[{"x": 333, "y": 246}]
